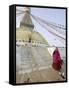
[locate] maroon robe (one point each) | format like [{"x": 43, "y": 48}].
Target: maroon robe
[{"x": 57, "y": 62}]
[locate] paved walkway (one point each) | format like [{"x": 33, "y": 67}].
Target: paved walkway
[{"x": 46, "y": 75}]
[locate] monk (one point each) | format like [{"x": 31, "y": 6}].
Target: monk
[{"x": 57, "y": 61}]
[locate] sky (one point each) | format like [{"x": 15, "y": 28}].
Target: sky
[{"x": 57, "y": 16}]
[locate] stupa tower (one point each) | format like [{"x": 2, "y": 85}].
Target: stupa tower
[
  {"x": 26, "y": 22},
  {"x": 32, "y": 56}
]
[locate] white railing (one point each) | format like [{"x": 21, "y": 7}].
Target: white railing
[{"x": 34, "y": 43}]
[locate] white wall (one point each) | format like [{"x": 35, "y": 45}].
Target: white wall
[{"x": 4, "y": 45}]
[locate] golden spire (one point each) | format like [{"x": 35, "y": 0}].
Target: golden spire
[{"x": 26, "y": 22}]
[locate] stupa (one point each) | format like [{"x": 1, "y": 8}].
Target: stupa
[{"x": 33, "y": 59}]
